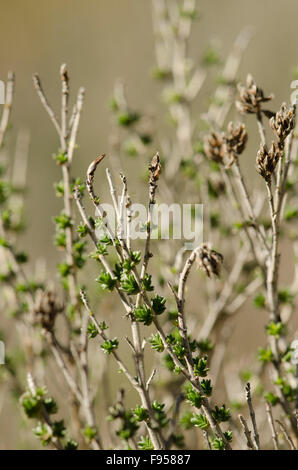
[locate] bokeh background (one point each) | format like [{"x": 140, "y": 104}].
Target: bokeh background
[{"x": 101, "y": 41}]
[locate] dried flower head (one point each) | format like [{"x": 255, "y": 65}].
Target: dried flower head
[
  {"x": 90, "y": 177},
  {"x": 213, "y": 147},
  {"x": 234, "y": 141},
  {"x": 155, "y": 168},
  {"x": 250, "y": 97},
  {"x": 154, "y": 171},
  {"x": 283, "y": 122},
  {"x": 209, "y": 260},
  {"x": 267, "y": 160},
  {"x": 46, "y": 309}
]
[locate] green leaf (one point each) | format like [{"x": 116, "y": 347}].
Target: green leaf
[
  {"x": 90, "y": 433},
  {"x": 207, "y": 387},
  {"x": 128, "y": 118},
  {"x": 265, "y": 355},
  {"x": 106, "y": 281},
  {"x": 271, "y": 398},
  {"x": 61, "y": 158},
  {"x": 143, "y": 314},
  {"x": 200, "y": 366},
  {"x": 59, "y": 189},
  {"x": 60, "y": 239},
  {"x": 192, "y": 396},
  {"x": 218, "y": 443},
  {"x": 245, "y": 375},
  {"x": 50, "y": 405},
  {"x": 190, "y": 13},
  {"x": 287, "y": 390},
  {"x": 158, "y": 304},
  {"x": 92, "y": 331},
  {"x": 21, "y": 257},
  {"x": 186, "y": 420},
  {"x": 140, "y": 413},
  {"x": 103, "y": 326},
  {"x": 31, "y": 405},
  {"x": 5, "y": 191},
  {"x": 159, "y": 413},
  {"x": 82, "y": 230},
  {"x": 145, "y": 443},
  {"x": 129, "y": 284},
  {"x": 64, "y": 269},
  {"x": 200, "y": 421},
  {"x": 59, "y": 429},
  {"x": 228, "y": 435},
  {"x": 41, "y": 432},
  {"x": 221, "y": 414},
  {"x": 106, "y": 240},
  {"x": 291, "y": 213},
  {"x": 260, "y": 301},
  {"x": 205, "y": 345},
  {"x": 275, "y": 329},
  {"x": 71, "y": 445},
  {"x": 156, "y": 342},
  {"x": 178, "y": 440},
  {"x": 285, "y": 296},
  {"x": 179, "y": 350},
  {"x": 146, "y": 283},
  {"x": 211, "y": 56},
  {"x": 63, "y": 221},
  {"x": 161, "y": 74},
  {"x": 110, "y": 345},
  {"x": 4, "y": 243}
]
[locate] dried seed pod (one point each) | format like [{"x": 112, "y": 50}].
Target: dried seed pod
[
  {"x": 209, "y": 260},
  {"x": 155, "y": 168},
  {"x": 46, "y": 309},
  {"x": 283, "y": 122},
  {"x": 234, "y": 140},
  {"x": 267, "y": 160},
  {"x": 213, "y": 147},
  {"x": 250, "y": 97},
  {"x": 90, "y": 177}
]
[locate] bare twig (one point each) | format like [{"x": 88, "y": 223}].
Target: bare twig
[
  {"x": 271, "y": 424},
  {"x": 7, "y": 106},
  {"x": 247, "y": 432},
  {"x": 252, "y": 417},
  {"x": 286, "y": 435}
]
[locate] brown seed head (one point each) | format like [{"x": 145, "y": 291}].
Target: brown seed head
[
  {"x": 250, "y": 97},
  {"x": 46, "y": 309},
  {"x": 213, "y": 147},
  {"x": 155, "y": 168},
  {"x": 234, "y": 141},
  {"x": 267, "y": 160},
  {"x": 209, "y": 260},
  {"x": 283, "y": 122}
]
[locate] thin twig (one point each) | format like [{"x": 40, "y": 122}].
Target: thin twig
[
  {"x": 286, "y": 435},
  {"x": 247, "y": 432},
  {"x": 271, "y": 424},
  {"x": 252, "y": 416},
  {"x": 7, "y": 106}
]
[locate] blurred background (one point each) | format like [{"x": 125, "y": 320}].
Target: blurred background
[{"x": 101, "y": 41}]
